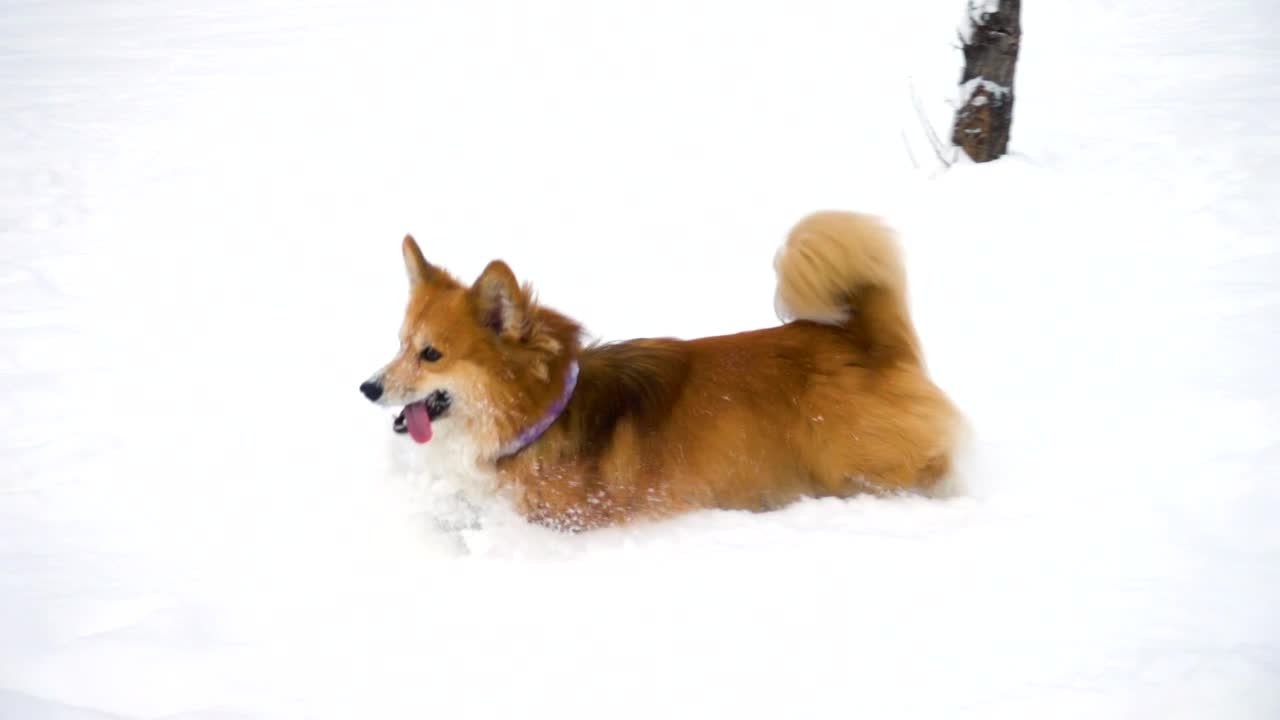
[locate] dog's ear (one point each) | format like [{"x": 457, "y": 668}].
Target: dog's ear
[
  {"x": 420, "y": 271},
  {"x": 501, "y": 303}
]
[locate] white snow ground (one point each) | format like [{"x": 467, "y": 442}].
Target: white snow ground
[{"x": 200, "y": 205}]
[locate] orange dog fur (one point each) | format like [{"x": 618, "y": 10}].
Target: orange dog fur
[{"x": 834, "y": 402}]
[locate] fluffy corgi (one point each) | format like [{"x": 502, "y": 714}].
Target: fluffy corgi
[{"x": 834, "y": 402}]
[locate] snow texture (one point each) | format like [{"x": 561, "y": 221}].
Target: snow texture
[
  {"x": 971, "y": 86},
  {"x": 975, "y": 14},
  {"x": 200, "y": 213}
]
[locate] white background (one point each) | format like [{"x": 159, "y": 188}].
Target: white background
[{"x": 200, "y": 210}]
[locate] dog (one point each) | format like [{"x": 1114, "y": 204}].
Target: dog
[{"x": 836, "y": 401}]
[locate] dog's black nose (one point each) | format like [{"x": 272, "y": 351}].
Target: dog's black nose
[{"x": 371, "y": 390}]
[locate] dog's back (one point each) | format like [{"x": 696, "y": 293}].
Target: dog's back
[{"x": 834, "y": 403}]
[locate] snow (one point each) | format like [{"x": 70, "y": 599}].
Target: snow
[
  {"x": 975, "y": 14},
  {"x": 200, "y": 210},
  {"x": 971, "y": 86}
]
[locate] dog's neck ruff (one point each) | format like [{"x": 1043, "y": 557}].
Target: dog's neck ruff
[{"x": 535, "y": 431}]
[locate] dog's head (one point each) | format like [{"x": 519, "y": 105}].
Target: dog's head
[{"x": 482, "y": 356}]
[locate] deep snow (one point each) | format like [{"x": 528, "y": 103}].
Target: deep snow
[{"x": 200, "y": 207}]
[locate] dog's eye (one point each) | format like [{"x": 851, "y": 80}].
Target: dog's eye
[{"x": 430, "y": 354}]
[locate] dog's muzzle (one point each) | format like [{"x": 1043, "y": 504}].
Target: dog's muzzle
[
  {"x": 371, "y": 390},
  {"x": 438, "y": 403}
]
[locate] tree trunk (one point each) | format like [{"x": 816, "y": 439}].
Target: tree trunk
[{"x": 986, "y": 87}]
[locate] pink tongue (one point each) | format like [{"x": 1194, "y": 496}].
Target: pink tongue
[{"x": 419, "y": 422}]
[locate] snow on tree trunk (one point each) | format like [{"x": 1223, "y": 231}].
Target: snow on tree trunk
[{"x": 985, "y": 111}]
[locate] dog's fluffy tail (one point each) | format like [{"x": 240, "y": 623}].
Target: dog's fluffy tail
[{"x": 843, "y": 268}]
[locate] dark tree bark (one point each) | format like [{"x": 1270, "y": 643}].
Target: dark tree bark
[{"x": 990, "y": 56}]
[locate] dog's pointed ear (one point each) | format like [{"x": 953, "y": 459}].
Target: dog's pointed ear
[
  {"x": 419, "y": 270},
  {"x": 501, "y": 303}
]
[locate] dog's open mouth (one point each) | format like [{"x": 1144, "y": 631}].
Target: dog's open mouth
[{"x": 416, "y": 418}]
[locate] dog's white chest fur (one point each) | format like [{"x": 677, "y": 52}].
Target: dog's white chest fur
[{"x": 446, "y": 475}]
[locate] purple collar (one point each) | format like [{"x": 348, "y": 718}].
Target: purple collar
[{"x": 527, "y": 438}]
